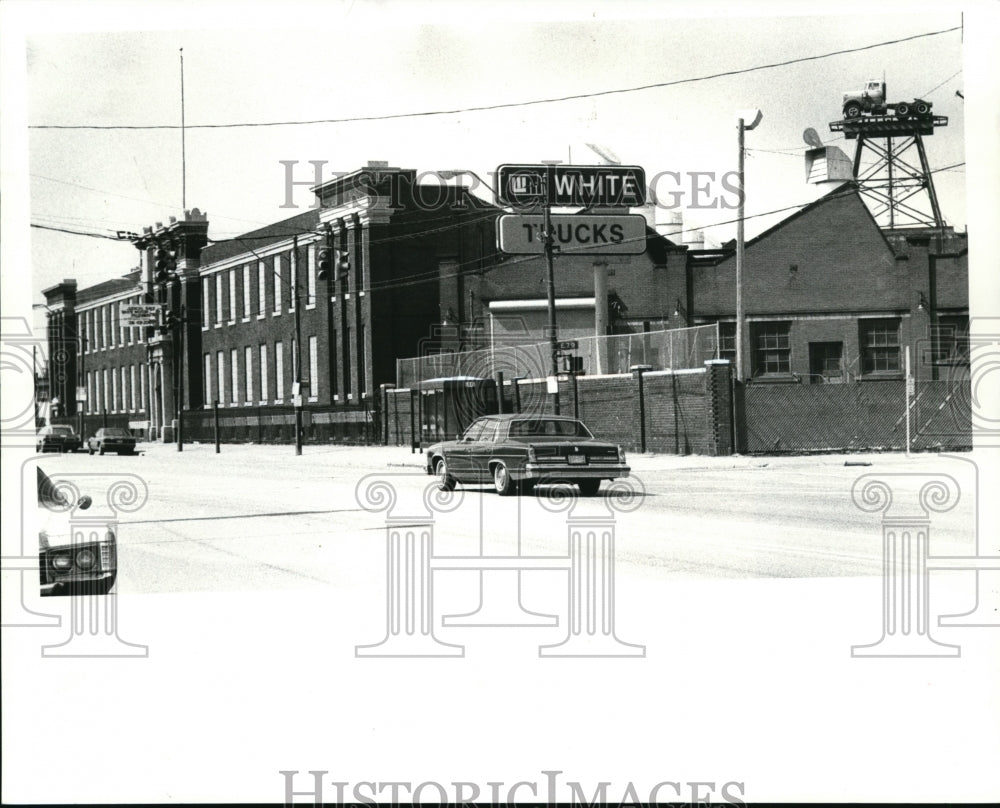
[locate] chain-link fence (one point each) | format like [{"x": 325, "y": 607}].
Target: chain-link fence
[{"x": 671, "y": 349}]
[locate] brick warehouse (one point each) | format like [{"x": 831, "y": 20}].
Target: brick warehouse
[
  {"x": 238, "y": 297},
  {"x": 830, "y": 298},
  {"x": 832, "y": 304}
]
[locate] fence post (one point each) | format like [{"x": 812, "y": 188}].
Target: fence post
[
  {"x": 516, "y": 383},
  {"x": 413, "y": 428},
  {"x": 215, "y": 418},
  {"x": 637, "y": 371}
]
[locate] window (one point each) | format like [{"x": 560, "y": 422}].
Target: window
[
  {"x": 248, "y": 375},
  {"x": 218, "y": 298},
  {"x": 263, "y": 374},
  {"x": 234, "y": 377},
  {"x": 206, "y": 291},
  {"x": 104, "y": 328},
  {"x": 771, "y": 351},
  {"x": 313, "y": 368},
  {"x": 826, "y": 362},
  {"x": 124, "y": 389},
  {"x": 279, "y": 371},
  {"x": 277, "y": 284},
  {"x": 261, "y": 289},
  {"x": 142, "y": 388},
  {"x": 114, "y": 391},
  {"x": 220, "y": 376},
  {"x": 207, "y": 380},
  {"x": 111, "y": 325},
  {"x": 105, "y": 397},
  {"x": 362, "y": 363},
  {"x": 232, "y": 296},
  {"x": 311, "y": 276},
  {"x": 879, "y": 341},
  {"x": 246, "y": 291},
  {"x": 727, "y": 342},
  {"x": 951, "y": 339},
  {"x": 90, "y": 393}
]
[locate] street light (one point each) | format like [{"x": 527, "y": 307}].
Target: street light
[{"x": 754, "y": 116}]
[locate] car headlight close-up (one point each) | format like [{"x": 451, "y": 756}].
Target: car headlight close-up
[
  {"x": 86, "y": 558},
  {"x": 62, "y": 562}
]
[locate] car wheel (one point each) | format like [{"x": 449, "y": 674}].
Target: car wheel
[
  {"x": 502, "y": 481},
  {"x": 100, "y": 450},
  {"x": 445, "y": 481},
  {"x": 588, "y": 488},
  {"x": 90, "y": 450}
]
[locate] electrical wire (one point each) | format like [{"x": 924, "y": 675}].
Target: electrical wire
[{"x": 509, "y": 105}]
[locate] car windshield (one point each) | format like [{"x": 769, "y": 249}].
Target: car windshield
[
  {"x": 62, "y": 430},
  {"x": 551, "y": 427},
  {"x": 116, "y": 433}
]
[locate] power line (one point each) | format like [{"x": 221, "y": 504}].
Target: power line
[{"x": 509, "y": 105}]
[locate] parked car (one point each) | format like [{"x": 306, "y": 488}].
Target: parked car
[
  {"x": 518, "y": 451},
  {"x": 58, "y": 438},
  {"x": 72, "y": 561},
  {"x": 111, "y": 439}
]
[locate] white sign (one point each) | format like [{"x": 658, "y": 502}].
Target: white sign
[
  {"x": 134, "y": 315},
  {"x": 522, "y": 234}
]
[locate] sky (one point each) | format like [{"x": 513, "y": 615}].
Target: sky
[{"x": 355, "y": 60}]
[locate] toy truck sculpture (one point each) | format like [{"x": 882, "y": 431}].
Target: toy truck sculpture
[{"x": 871, "y": 101}]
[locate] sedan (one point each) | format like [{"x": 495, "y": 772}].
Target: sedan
[
  {"x": 72, "y": 561},
  {"x": 111, "y": 439},
  {"x": 57, "y": 438},
  {"x": 518, "y": 451}
]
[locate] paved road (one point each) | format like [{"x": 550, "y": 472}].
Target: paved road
[{"x": 260, "y": 517}]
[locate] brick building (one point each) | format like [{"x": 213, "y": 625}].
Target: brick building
[{"x": 258, "y": 319}]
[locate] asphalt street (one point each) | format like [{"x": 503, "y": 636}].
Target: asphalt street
[{"x": 249, "y": 579}]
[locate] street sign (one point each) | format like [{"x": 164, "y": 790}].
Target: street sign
[
  {"x": 134, "y": 315},
  {"x": 568, "y": 345},
  {"x": 521, "y": 234},
  {"x": 571, "y": 186}
]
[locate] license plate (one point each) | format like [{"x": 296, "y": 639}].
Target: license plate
[{"x": 577, "y": 460}]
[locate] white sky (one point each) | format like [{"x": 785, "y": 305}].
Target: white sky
[{"x": 301, "y": 61}]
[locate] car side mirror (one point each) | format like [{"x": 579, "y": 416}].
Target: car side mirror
[{"x": 85, "y": 502}]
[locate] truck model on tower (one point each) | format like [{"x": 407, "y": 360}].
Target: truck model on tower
[{"x": 871, "y": 101}]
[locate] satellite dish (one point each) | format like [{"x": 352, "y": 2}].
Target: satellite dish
[{"x": 812, "y": 139}]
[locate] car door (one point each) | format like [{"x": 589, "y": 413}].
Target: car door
[
  {"x": 456, "y": 453},
  {"x": 482, "y": 449}
]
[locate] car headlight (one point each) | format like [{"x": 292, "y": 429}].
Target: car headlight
[
  {"x": 61, "y": 562},
  {"x": 621, "y": 455},
  {"x": 86, "y": 558},
  {"x": 532, "y": 458}
]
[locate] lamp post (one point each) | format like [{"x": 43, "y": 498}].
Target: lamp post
[{"x": 754, "y": 116}]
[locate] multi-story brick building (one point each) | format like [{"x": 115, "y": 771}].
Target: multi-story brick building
[{"x": 260, "y": 323}]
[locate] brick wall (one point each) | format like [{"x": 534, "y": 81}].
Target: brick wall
[{"x": 680, "y": 413}]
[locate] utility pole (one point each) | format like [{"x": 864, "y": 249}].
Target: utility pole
[
  {"x": 547, "y": 241},
  {"x": 755, "y": 117},
  {"x": 297, "y": 398}
]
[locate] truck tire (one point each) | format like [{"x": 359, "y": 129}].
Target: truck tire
[
  {"x": 902, "y": 110},
  {"x": 852, "y": 110},
  {"x": 923, "y": 108}
]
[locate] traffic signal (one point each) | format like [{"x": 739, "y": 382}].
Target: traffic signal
[
  {"x": 163, "y": 263},
  {"x": 324, "y": 263},
  {"x": 330, "y": 260}
]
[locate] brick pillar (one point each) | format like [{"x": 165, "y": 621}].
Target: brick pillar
[{"x": 718, "y": 394}]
